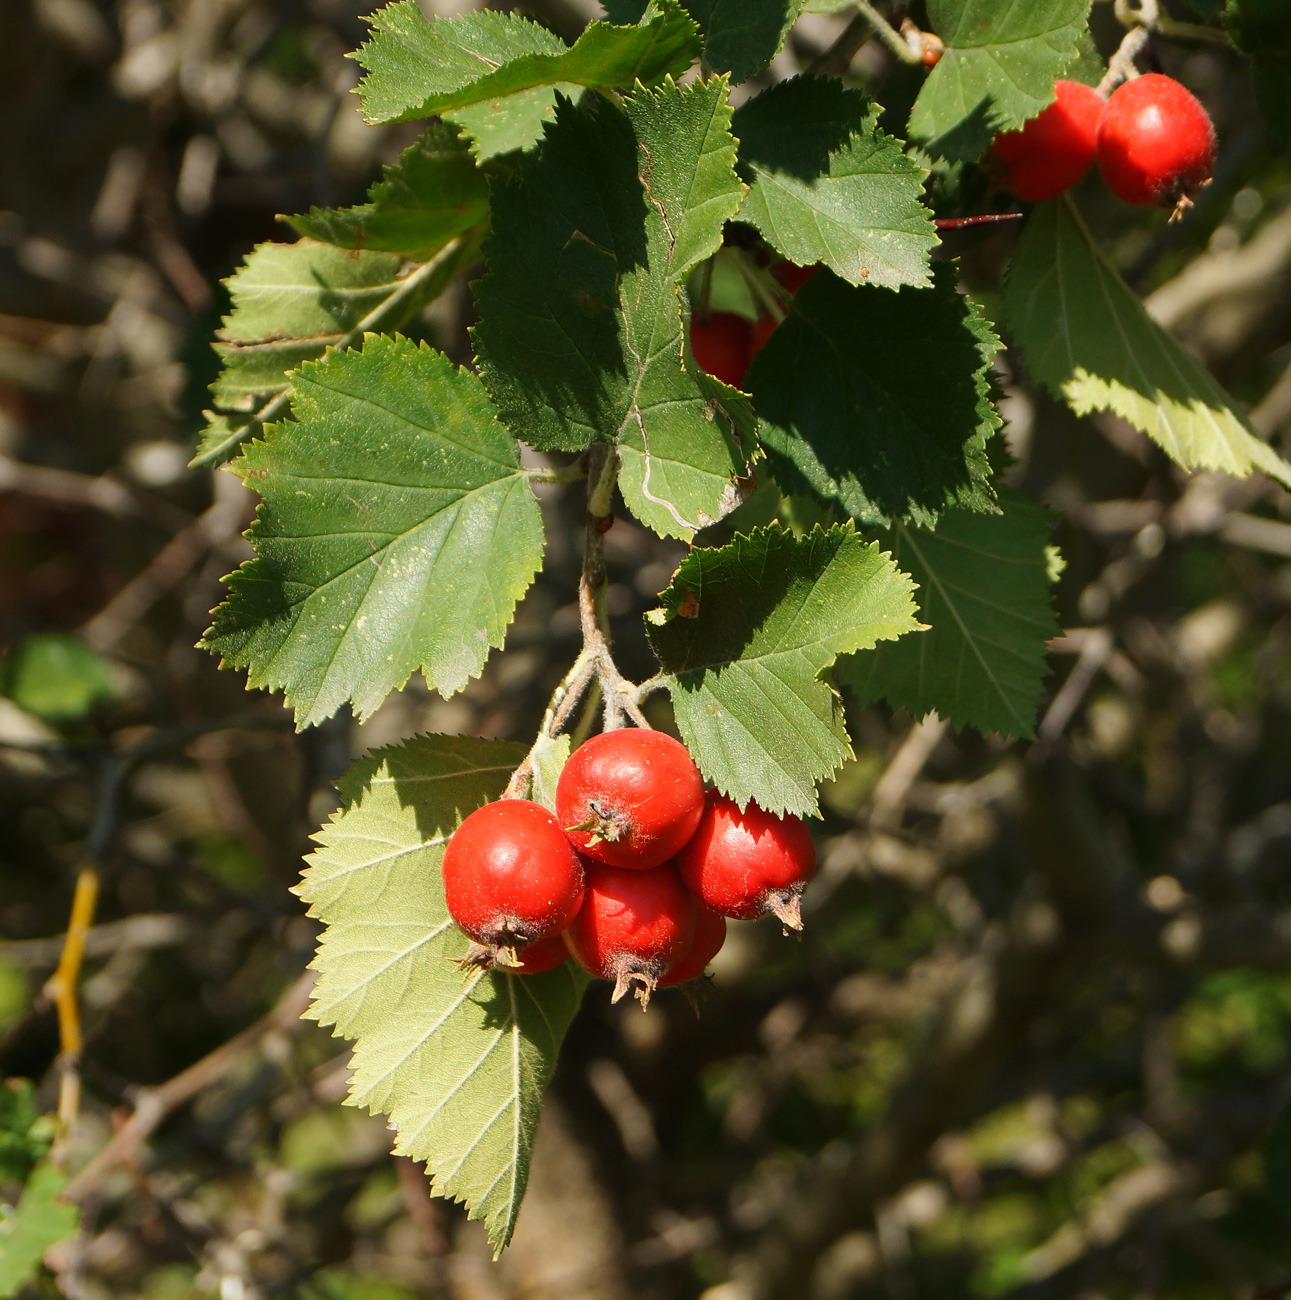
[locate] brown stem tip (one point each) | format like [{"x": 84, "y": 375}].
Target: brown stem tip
[
  {"x": 489, "y": 956},
  {"x": 640, "y": 982},
  {"x": 787, "y": 906}
]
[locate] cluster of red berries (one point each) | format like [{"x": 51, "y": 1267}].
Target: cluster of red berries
[
  {"x": 724, "y": 343},
  {"x": 633, "y": 877},
  {"x": 1154, "y": 142}
]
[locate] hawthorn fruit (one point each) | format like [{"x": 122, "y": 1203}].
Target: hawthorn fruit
[
  {"x": 747, "y": 863},
  {"x": 1156, "y": 144},
  {"x": 633, "y": 926},
  {"x": 630, "y": 797},
  {"x": 511, "y": 878},
  {"x": 723, "y": 346},
  {"x": 1052, "y": 151}
]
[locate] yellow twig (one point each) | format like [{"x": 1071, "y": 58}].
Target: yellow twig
[{"x": 61, "y": 990}]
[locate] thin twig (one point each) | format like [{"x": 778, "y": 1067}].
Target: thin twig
[
  {"x": 374, "y": 322},
  {"x": 887, "y": 33},
  {"x": 154, "y": 1104},
  {"x": 61, "y": 990},
  {"x": 1140, "y": 21}
]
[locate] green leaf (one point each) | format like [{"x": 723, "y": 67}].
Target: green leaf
[
  {"x": 38, "y": 1222},
  {"x": 507, "y": 68},
  {"x": 826, "y": 185},
  {"x": 1272, "y": 77},
  {"x": 434, "y": 193},
  {"x": 57, "y": 677},
  {"x": 1262, "y": 28},
  {"x": 745, "y": 634},
  {"x": 306, "y": 290},
  {"x": 984, "y": 588},
  {"x": 998, "y": 70},
  {"x": 25, "y": 1134},
  {"x": 290, "y": 302},
  {"x": 396, "y": 532},
  {"x": 329, "y": 296},
  {"x": 742, "y": 36},
  {"x": 458, "y": 1066},
  {"x": 580, "y": 333},
  {"x": 880, "y": 401},
  {"x": 1086, "y": 336}
]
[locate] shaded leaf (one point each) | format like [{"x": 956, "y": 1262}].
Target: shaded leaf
[
  {"x": 984, "y": 589},
  {"x": 580, "y": 333},
  {"x": 290, "y": 302},
  {"x": 826, "y": 185},
  {"x": 458, "y": 1066},
  {"x": 305, "y": 290},
  {"x": 434, "y": 193},
  {"x": 1086, "y": 336},
  {"x": 880, "y": 401},
  {"x": 28, "y": 1230},
  {"x": 396, "y": 532},
  {"x": 745, "y": 634},
  {"x": 998, "y": 69},
  {"x": 497, "y": 74},
  {"x": 742, "y": 36}
]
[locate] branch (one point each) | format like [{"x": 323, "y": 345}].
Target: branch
[
  {"x": 1140, "y": 21},
  {"x": 154, "y": 1104}
]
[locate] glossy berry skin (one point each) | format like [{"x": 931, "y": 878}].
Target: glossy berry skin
[
  {"x": 745, "y": 864},
  {"x": 633, "y": 926},
  {"x": 1052, "y": 151},
  {"x": 511, "y": 878},
  {"x": 1156, "y": 144},
  {"x": 723, "y": 345},
  {"x": 546, "y": 954},
  {"x": 710, "y": 935},
  {"x": 630, "y": 797}
]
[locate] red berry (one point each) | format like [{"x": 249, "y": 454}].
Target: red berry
[
  {"x": 511, "y": 878},
  {"x": 1156, "y": 143},
  {"x": 710, "y": 935},
  {"x": 762, "y": 331},
  {"x": 723, "y": 345},
  {"x": 630, "y": 797},
  {"x": 792, "y": 276},
  {"x": 1052, "y": 151},
  {"x": 546, "y": 954},
  {"x": 633, "y": 926},
  {"x": 745, "y": 864}
]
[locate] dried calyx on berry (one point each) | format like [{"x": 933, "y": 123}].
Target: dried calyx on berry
[
  {"x": 633, "y": 927},
  {"x": 511, "y": 878},
  {"x": 630, "y": 797},
  {"x": 745, "y": 863}
]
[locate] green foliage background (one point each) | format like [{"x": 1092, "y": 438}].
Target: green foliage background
[{"x": 1038, "y": 1039}]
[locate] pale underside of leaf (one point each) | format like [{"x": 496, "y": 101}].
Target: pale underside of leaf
[
  {"x": 1085, "y": 335},
  {"x": 458, "y": 1066}
]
